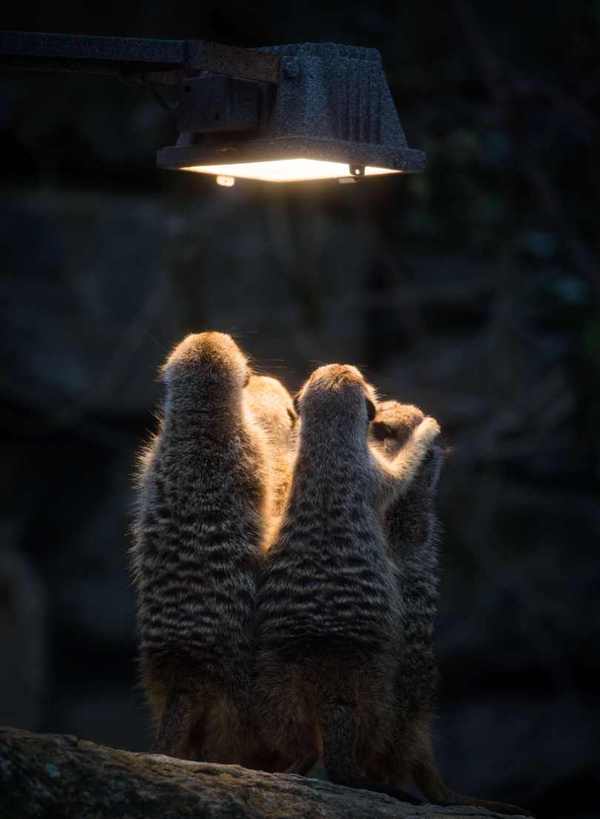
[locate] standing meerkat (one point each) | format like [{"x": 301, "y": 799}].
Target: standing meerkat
[
  {"x": 412, "y": 530},
  {"x": 329, "y": 607},
  {"x": 273, "y": 407},
  {"x": 198, "y": 535}
]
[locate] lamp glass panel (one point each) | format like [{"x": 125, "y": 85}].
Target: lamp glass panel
[{"x": 286, "y": 170}]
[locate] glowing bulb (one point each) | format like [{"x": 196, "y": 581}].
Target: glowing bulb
[
  {"x": 284, "y": 170},
  {"x": 225, "y": 181}
]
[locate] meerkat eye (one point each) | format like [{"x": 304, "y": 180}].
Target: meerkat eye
[
  {"x": 380, "y": 431},
  {"x": 292, "y": 416},
  {"x": 371, "y": 409}
]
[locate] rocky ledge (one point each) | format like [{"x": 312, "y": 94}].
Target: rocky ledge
[{"x": 44, "y": 775}]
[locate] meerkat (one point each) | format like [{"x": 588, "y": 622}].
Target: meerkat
[
  {"x": 273, "y": 407},
  {"x": 329, "y": 609},
  {"x": 200, "y": 525},
  {"x": 412, "y": 530}
]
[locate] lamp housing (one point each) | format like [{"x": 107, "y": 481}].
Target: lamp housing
[{"x": 330, "y": 114}]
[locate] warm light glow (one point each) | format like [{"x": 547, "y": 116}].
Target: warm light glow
[
  {"x": 226, "y": 181},
  {"x": 286, "y": 170}
]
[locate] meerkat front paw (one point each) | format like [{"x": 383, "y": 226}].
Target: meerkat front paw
[{"x": 427, "y": 431}]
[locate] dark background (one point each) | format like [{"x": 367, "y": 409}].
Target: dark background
[{"x": 472, "y": 290}]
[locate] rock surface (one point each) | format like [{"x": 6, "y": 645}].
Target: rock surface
[{"x": 51, "y": 775}]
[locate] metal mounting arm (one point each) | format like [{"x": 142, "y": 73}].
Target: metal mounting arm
[
  {"x": 282, "y": 113},
  {"x": 162, "y": 61}
]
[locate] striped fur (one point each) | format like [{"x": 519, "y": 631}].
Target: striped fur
[
  {"x": 412, "y": 531},
  {"x": 412, "y": 534},
  {"x": 329, "y": 610},
  {"x": 411, "y": 528},
  {"x": 199, "y": 530}
]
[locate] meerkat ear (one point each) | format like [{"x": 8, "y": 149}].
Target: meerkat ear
[
  {"x": 297, "y": 403},
  {"x": 248, "y": 374},
  {"x": 380, "y": 430},
  {"x": 371, "y": 409}
]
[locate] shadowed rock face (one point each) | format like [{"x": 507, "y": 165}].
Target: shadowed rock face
[{"x": 41, "y": 774}]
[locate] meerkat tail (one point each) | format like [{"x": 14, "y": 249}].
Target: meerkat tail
[
  {"x": 433, "y": 787},
  {"x": 339, "y": 741},
  {"x": 391, "y": 790},
  {"x": 504, "y": 808},
  {"x": 172, "y": 733}
]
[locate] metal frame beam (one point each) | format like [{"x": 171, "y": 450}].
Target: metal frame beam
[{"x": 163, "y": 61}]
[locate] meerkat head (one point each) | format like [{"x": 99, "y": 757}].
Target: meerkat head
[
  {"x": 212, "y": 361},
  {"x": 273, "y": 407},
  {"x": 337, "y": 394},
  {"x": 392, "y": 427},
  {"x": 393, "y": 424}
]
